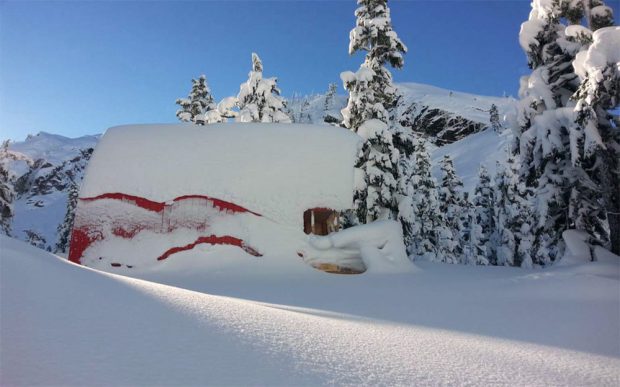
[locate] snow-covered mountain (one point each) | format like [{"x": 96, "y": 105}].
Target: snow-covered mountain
[
  {"x": 442, "y": 116},
  {"x": 43, "y": 166}
]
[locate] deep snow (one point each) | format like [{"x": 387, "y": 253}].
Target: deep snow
[
  {"x": 276, "y": 170},
  {"x": 440, "y": 324}
]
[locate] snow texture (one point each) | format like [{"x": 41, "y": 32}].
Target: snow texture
[
  {"x": 276, "y": 170},
  {"x": 245, "y": 323},
  {"x": 379, "y": 244},
  {"x": 604, "y": 51}
]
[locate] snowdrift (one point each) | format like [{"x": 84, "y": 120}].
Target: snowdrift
[
  {"x": 64, "y": 324},
  {"x": 276, "y": 170}
]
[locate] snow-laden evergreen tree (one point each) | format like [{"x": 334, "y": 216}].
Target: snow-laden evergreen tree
[
  {"x": 596, "y": 206},
  {"x": 550, "y": 133},
  {"x": 259, "y": 98},
  {"x": 506, "y": 212},
  {"x": 330, "y": 98},
  {"x": 525, "y": 226},
  {"x": 7, "y": 192},
  {"x": 451, "y": 207},
  {"x": 422, "y": 241},
  {"x": 372, "y": 96},
  {"x": 199, "y": 106},
  {"x": 494, "y": 118},
  {"x": 375, "y": 195},
  {"x": 483, "y": 226},
  {"x": 477, "y": 252},
  {"x": 544, "y": 134},
  {"x": 64, "y": 229}
]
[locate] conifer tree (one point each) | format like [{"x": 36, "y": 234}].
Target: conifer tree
[
  {"x": 330, "y": 97},
  {"x": 422, "y": 241},
  {"x": 64, "y": 229},
  {"x": 451, "y": 207},
  {"x": 378, "y": 160},
  {"x": 198, "y": 107},
  {"x": 259, "y": 98},
  {"x": 525, "y": 227},
  {"x": 372, "y": 95},
  {"x": 483, "y": 226},
  {"x": 597, "y": 203},
  {"x": 494, "y": 118},
  {"x": 7, "y": 193},
  {"x": 547, "y": 138},
  {"x": 506, "y": 213}
]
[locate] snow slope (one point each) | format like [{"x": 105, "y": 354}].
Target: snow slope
[
  {"x": 442, "y": 324},
  {"x": 482, "y": 148},
  {"x": 42, "y": 168},
  {"x": 470, "y": 106}
]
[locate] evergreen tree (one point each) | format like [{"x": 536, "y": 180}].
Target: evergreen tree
[
  {"x": 451, "y": 207},
  {"x": 543, "y": 136},
  {"x": 422, "y": 240},
  {"x": 506, "y": 211},
  {"x": 259, "y": 98},
  {"x": 482, "y": 222},
  {"x": 330, "y": 97},
  {"x": 372, "y": 95},
  {"x": 494, "y": 118},
  {"x": 7, "y": 193},
  {"x": 374, "y": 197},
  {"x": 547, "y": 137},
  {"x": 596, "y": 206},
  {"x": 198, "y": 107},
  {"x": 477, "y": 253},
  {"x": 525, "y": 222},
  {"x": 64, "y": 229}
]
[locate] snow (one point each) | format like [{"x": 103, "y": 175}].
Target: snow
[
  {"x": 470, "y": 106},
  {"x": 53, "y": 148},
  {"x": 483, "y": 148},
  {"x": 378, "y": 244},
  {"x": 604, "y": 51},
  {"x": 243, "y": 321},
  {"x": 577, "y": 248},
  {"x": 276, "y": 170}
]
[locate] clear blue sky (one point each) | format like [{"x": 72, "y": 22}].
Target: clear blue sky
[{"x": 78, "y": 67}]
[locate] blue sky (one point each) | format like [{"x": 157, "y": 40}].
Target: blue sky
[{"x": 78, "y": 67}]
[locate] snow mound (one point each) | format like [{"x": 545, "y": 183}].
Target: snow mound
[
  {"x": 63, "y": 324},
  {"x": 577, "y": 248},
  {"x": 276, "y": 170},
  {"x": 378, "y": 244}
]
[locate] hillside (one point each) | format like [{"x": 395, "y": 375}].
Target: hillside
[{"x": 63, "y": 324}]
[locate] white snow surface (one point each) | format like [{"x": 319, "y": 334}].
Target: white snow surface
[
  {"x": 241, "y": 321},
  {"x": 470, "y": 106},
  {"x": 53, "y": 148},
  {"x": 276, "y": 170},
  {"x": 482, "y": 148},
  {"x": 604, "y": 51},
  {"x": 379, "y": 244}
]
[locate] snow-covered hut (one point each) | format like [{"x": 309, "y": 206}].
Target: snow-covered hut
[{"x": 161, "y": 189}]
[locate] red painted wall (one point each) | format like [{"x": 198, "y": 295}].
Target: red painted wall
[{"x": 88, "y": 227}]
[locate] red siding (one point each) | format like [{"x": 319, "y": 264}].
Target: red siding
[{"x": 89, "y": 227}]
